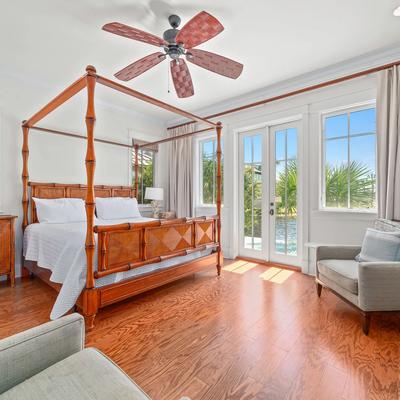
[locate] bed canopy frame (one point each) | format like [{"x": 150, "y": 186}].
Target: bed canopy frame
[{"x": 203, "y": 232}]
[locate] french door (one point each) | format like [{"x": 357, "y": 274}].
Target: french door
[{"x": 269, "y": 195}]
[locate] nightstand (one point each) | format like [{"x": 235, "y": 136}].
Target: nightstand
[{"x": 7, "y": 247}]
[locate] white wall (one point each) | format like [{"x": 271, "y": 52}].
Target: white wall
[
  {"x": 61, "y": 159},
  {"x": 318, "y": 225}
]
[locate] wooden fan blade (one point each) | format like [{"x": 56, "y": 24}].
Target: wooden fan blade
[
  {"x": 138, "y": 67},
  {"x": 199, "y": 29},
  {"x": 133, "y": 33},
  {"x": 215, "y": 63},
  {"x": 182, "y": 79}
]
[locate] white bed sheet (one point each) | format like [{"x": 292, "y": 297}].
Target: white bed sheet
[{"x": 61, "y": 249}]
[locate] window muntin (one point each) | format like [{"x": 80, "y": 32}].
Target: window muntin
[
  {"x": 208, "y": 172},
  {"x": 349, "y": 160}
]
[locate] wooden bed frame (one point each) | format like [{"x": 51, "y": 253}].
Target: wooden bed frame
[{"x": 125, "y": 246}]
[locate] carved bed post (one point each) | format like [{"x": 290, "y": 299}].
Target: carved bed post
[
  {"x": 25, "y": 179},
  {"x": 90, "y": 298},
  {"x": 136, "y": 170},
  {"x": 25, "y": 174},
  {"x": 219, "y": 152}
]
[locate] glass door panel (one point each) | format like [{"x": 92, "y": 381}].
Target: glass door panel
[
  {"x": 284, "y": 196},
  {"x": 252, "y": 192},
  {"x": 252, "y": 179}
]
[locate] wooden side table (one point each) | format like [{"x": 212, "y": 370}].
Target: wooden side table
[{"x": 7, "y": 247}]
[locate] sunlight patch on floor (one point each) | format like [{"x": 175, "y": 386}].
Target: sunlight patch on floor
[
  {"x": 234, "y": 265},
  {"x": 269, "y": 273},
  {"x": 276, "y": 275},
  {"x": 239, "y": 267}
]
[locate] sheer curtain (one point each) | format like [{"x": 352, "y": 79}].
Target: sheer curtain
[
  {"x": 388, "y": 140},
  {"x": 181, "y": 172}
]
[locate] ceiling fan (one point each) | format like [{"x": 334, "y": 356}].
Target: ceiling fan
[{"x": 178, "y": 44}]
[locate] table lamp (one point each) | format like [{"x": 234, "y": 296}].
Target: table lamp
[{"x": 156, "y": 195}]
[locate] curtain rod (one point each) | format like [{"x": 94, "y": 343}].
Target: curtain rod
[
  {"x": 298, "y": 91},
  {"x": 169, "y": 139}
]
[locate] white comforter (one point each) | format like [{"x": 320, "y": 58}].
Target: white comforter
[{"x": 61, "y": 248}]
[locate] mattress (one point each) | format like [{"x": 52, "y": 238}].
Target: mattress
[{"x": 61, "y": 249}]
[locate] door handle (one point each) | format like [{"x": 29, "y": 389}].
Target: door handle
[{"x": 271, "y": 212}]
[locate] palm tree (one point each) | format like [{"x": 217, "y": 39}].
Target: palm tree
[
  {"x": 286, "y": 189},
  {"x": 356, "y": 177}
]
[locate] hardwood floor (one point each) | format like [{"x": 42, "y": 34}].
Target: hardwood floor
[{"x": 259, "y": 332}]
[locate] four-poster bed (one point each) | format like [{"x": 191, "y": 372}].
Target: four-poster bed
[{"x": 125, "y": 246}]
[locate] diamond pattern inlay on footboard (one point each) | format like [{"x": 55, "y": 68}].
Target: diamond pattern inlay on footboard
[{"x": 162, "y": 241}]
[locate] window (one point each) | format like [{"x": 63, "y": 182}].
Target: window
[
  {"x": 349, "y": 168},
  {"x": 146, "y": 173},
  {"x": 208, "y": 172}
]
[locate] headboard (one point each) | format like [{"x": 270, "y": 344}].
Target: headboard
[{"x": 59, "y": 190}]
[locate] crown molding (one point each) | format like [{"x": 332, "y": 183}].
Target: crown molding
[{"x": 353, "y": 65}]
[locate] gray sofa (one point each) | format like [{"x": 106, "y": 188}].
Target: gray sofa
[
  {"x": 368, "y": 286},
  {"x": 50, "y": 362}
]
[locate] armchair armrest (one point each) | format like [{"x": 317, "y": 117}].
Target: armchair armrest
[
  {"x": 379, "y": 286},
  {"x": 27, "y": 353},
  {"x": 337, "y": 252},
  {"x": 341, "y": 252}
]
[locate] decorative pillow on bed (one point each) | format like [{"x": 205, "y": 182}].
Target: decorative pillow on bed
[
  {"x": 380, "y": 246},
  {"x": 60, "y": 210},
  {"x": 117, "y": 208}
]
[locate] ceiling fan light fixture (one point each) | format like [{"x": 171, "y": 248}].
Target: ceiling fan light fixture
[{"x": 396, "y": 12}]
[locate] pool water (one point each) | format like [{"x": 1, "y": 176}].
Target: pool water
[{"x": 285, "y": 237}]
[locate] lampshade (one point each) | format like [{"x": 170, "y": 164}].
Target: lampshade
[{"x": 153, "y": 193}]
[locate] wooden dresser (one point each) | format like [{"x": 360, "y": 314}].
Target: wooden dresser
[{"x": 7, "y": 247}]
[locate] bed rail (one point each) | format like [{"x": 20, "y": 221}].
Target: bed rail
[{"x": 132, "y": 245}]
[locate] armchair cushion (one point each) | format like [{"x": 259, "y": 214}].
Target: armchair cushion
[
  {"x": 343, "y": 272},
  {"x": 28, "y": 353},
  {"x": 86, "y": 375}
]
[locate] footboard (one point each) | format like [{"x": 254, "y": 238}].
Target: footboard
[{"x": 128, "y": 246}]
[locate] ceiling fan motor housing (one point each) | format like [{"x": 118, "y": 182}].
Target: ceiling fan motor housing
[{"x": 170, "y": 35}]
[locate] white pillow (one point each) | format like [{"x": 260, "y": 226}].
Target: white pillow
[
  {"x": 60, "y": 210},
  {"x": 380, "y": 246},
  {"x": 117, "y": 207}
]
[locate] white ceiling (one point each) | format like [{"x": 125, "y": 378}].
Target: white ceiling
[{"x": 46, "y": 44}]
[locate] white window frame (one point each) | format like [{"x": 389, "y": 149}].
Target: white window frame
[
  {"x": 323, "y": 116},
  {"x": 199, "y": 167}
]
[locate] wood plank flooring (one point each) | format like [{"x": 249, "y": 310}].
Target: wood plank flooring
[{"x": 258, "y": 332}]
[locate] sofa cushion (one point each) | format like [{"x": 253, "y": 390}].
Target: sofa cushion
[
  {"x": 86, "y": 375},
  {"x": 343, "y": 272}
]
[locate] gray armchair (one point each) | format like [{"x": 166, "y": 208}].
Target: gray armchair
[
  {"x": 368, "y": 286},
  {"x": 50, "y": 362}
]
